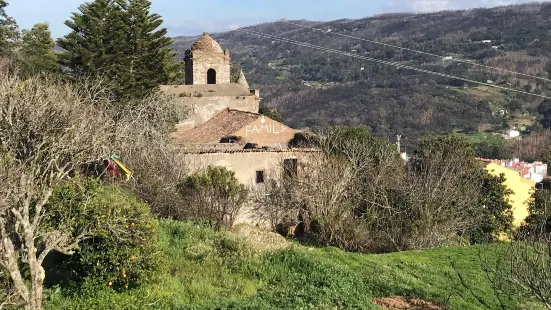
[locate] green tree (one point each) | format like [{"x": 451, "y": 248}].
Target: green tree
[
  {"x": 495, "y": 212},
  {"x": 147, "y": 48},
  {"x": 9, "y": 31},
  {"x": 174, "y": 69},
  {"x": 123, "y": 250},
  {"x": 544, "y": 109},
  {"x": 122, "y": 41},
  {"x": 272, "y": 113},
  {"x": 539, "y": 220},
  {"x": 90, "y": 46},
  {"x": 215, "y": 194},
  {"x": 37, "y": 50}
]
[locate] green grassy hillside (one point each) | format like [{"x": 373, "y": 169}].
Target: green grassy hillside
[{"x": 217, "y": 270}]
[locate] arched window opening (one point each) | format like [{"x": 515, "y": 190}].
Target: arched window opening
[{"x": 211, "y": 76}]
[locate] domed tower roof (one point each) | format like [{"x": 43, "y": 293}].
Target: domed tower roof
[{"x": 206, "y": 44}]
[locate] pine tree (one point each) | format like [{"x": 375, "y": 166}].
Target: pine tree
[
  {"x": 37, "y": 53},
  {"x": 148, "y": 47},
  {"x": 122, "y": 41},
  {"x": 9, "y": 31},
  {"x": 90, "y": 48}
]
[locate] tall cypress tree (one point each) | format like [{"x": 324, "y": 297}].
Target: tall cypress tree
[
  {"x": 9, "y": 31},
  {"x": 123, "y": 41},
  {"x": 37, "y": 50}
]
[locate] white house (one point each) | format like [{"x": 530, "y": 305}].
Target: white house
[{"x": 513, "y": 133}]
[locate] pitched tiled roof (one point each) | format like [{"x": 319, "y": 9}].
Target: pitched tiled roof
[{"x": 221, "y": 125}]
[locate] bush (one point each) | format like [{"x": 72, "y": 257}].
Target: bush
[
  {"x": 47, "y": 131},
  {"x": 357, "y": 194},
  {"x": 215, "y": 195},
  {"x": 142, "y": 139},
  {"x": 538, "y": 224},
  {"x": 123, "y": 252}
]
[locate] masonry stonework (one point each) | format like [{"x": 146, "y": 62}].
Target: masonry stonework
[
  {"x": 246, "y": 165},
  {"x": 207, "y": 63},
  {"x": 220, "y": 124},
  {"x": 202, "y": 102},
  {"x": 203, "y": 109}
]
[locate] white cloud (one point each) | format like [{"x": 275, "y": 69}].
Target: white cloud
[{"x": 195, "y": 27}]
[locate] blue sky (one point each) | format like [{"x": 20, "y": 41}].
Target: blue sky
[{"x": 193, "y": 17}]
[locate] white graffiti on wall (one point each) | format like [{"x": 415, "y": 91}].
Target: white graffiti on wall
[{"x": 273, "y": 128}]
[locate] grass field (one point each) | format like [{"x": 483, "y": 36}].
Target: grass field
[{"x": 216, "y": 270}]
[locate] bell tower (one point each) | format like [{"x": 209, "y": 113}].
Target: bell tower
[{"x": 207, "y": 63}]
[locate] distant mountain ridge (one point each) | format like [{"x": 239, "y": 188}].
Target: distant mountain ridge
[{"x": 314, "y": 88}]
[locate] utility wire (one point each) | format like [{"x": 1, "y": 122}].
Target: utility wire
[
  {"x": 420, "y": 52},
  {"x": 384, "y": 62}
]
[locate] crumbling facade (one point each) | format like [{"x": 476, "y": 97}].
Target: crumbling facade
[
  {"x": 202, "y": 102},
  {"x": 223, "y": 126}
]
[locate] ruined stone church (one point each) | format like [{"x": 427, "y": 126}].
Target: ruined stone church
[{"x": 222, "y": 125}]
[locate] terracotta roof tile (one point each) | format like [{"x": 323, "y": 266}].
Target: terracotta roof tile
[{"x": 221, "y": 125}]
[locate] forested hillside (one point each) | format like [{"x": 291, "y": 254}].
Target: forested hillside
[{"x": 311, "y": 87}]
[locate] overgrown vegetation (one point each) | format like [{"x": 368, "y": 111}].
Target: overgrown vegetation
[
  {"x": 217, "y": 270},
  {"x": 123, "y": 251},
  {"x": 359, "y": 195},
  {"x": 523, "y": 269},
  {"x": 213, "y": 195},
  {"x": 46, "y": 132}
]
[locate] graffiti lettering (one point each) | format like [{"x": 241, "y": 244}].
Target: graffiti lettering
[{"x": 270, "y": 128}]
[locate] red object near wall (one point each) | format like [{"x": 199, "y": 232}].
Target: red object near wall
[{"x": 112, "y": 170}]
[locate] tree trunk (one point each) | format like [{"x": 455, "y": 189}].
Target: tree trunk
[{"x": 37, "y": 287}]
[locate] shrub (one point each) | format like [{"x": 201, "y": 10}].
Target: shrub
[
  {"x": 142, "y": 139},
  {"x": 215, "y": 195},
  {"x": 357, "y": 194},
  {"x": 47, "y": 130},
  {"x": 123, "y": 252},
  {"x": 494, "y": 213}
]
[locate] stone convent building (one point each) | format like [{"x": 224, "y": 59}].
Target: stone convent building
[{"x": 222, "y": 125}]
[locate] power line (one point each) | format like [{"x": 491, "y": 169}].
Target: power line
[
  {"x": 420, "y": 52},
  {"x": 384, "y": 62}
]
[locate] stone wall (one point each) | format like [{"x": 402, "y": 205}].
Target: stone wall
[
  {"x": 245, "y": 165},
  {"x": 202, "y": 62},
  {"x": 204, "y": 108},
  {"x": 188, "y": 60}
]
